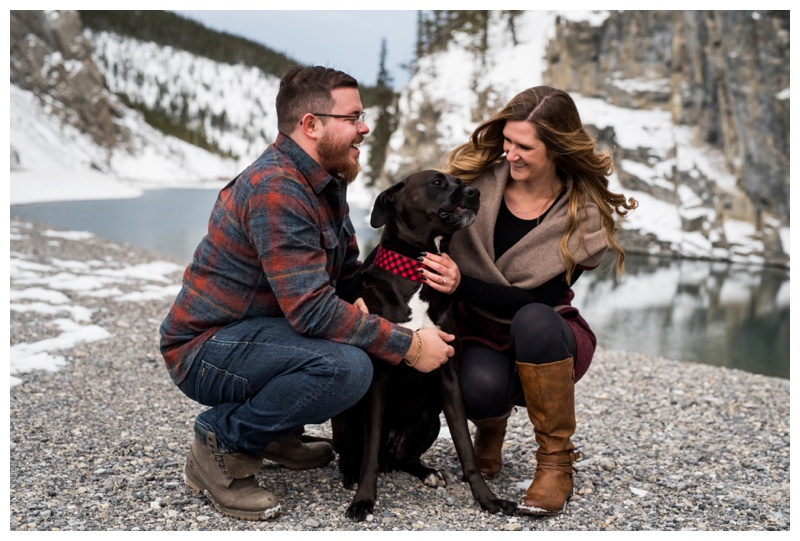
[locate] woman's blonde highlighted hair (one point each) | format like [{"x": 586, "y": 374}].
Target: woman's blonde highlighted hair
[{"x": 558, "y": 125}]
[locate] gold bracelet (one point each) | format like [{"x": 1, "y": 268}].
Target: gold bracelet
[{"x": 419, "y": 350}]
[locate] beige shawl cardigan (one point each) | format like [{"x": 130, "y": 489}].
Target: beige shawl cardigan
[{"x": 536, "y": 258}]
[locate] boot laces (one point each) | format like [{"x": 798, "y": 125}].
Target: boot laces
[{"x": 220, "y": 462}]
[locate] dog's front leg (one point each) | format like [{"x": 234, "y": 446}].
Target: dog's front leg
[
  {"x": 454, "y": 412},
  {"x": 363, "y": 502}
]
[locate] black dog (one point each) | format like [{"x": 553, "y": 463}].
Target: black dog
[{"x": 398, "y": 419}]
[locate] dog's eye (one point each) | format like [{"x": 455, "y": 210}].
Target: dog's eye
[{"x": 437, "y": 181}]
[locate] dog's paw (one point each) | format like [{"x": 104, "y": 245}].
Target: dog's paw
[
  {"x": 497, "y": 505},
  {"x": 434, "y": 479},
  {"x": 358, "y": 511}
]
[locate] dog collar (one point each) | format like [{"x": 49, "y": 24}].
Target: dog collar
[{"x": 398, "y": 264}]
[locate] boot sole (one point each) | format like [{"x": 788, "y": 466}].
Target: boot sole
[
  {"x": 538, "y": 511},
  {"x": 293, "y": 465},
  {"x": 522, "y": 509},
  {"x": 266, "y": 514}
]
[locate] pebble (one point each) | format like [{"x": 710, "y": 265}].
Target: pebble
[{"x": 99, "y": 444}]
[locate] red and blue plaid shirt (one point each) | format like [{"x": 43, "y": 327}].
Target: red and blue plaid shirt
[{"x": 279, "y": 241}]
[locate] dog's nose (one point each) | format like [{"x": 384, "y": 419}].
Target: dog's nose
[{"x": 470, "y": 192}]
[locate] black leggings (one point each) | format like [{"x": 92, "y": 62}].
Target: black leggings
[{"x": 489, "y": 380}]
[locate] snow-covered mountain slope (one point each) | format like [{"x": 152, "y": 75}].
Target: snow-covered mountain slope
[
  {"x": 234, "y": 105},
  {"x": 691, "y": 204}
]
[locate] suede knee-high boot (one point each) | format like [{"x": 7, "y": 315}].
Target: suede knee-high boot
[
  {"x": 489, "y": 436},
  {"x": 550, "y": 397}
]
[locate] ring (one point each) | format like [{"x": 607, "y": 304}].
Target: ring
[{"x": 444, "y": 280}]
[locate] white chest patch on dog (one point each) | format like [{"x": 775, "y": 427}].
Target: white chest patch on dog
[{"x": 419, "y": 313}]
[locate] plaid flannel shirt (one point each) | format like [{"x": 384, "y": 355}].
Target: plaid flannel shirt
[{"x": 279, "y": 241}]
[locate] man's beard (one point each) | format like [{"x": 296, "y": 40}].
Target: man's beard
[{"x": 334, "y": 157}]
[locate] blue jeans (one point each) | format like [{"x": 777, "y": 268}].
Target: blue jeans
[{"x": 262, "y": 380}]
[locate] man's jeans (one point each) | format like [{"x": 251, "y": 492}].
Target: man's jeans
[{"x": 262, "y": 380}]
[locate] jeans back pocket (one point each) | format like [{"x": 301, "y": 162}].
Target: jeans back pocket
[{"x": 216, "y": 386}]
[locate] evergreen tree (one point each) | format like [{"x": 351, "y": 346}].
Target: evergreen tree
[
  {"x": 420, "y": 45},
  {"x": 386, "y": 123},
  {"x": 512, "y": 15}
]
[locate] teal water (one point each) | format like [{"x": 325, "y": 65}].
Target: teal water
[{"x": 696, "y": 311}]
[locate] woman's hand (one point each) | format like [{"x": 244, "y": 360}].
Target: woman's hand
[{"x": 442, "y": 273}]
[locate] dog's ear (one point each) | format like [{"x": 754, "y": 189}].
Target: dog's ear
[{"x": 384, "y": 205}]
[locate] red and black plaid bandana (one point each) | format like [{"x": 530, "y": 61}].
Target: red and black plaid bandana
[{"x": 398, "y": 264}]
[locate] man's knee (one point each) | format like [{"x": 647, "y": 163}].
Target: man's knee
[
  {"x": 360, "y": 372},
  {"x": 354, "y": 372}
]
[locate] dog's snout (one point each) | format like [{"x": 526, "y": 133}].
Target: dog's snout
[{"x": 469, "y": 191}]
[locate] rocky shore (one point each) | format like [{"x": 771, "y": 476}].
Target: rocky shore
[{"x": 100, "y": 443}]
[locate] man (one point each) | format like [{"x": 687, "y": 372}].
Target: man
[{"x": 258, "y": 331}]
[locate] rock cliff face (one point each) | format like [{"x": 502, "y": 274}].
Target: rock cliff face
[
  {"x": 721, "y": 80},
  {"x": 723, "y": 73},
  {"x": 51, "y": 57}
]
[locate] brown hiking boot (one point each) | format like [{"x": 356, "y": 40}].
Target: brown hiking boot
[
  {"x": 489, "y": 435},
  {"x": 228, "y": 480},
  {"x": 291, "y": 452}
]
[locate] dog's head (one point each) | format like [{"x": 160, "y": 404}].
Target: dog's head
[{"x": 425, "y": 205}]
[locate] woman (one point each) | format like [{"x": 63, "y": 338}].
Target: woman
[{"x": 546, "y": 216}]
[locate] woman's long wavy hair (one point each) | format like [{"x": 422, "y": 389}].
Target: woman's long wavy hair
[{"x": 558, "y": 125}]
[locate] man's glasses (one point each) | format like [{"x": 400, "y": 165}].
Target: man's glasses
[{"x": 355, "y": 119}]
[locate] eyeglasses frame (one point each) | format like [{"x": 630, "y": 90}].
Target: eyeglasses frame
[{"x": 357, "y": 119}]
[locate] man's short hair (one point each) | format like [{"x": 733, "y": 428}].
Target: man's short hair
[{"x": 307, "y": 89}]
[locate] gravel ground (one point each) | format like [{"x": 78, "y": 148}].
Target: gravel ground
[{"x": 100, "y": 444}]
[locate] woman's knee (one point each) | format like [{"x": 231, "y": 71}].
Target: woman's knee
[
  {"x": 540, "y": 335},
  {"x": 535, "y": 319}
]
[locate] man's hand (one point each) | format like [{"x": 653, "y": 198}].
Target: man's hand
[
  {"x": 435, "y": 349},
  {"x": 361, "y": 305}
]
